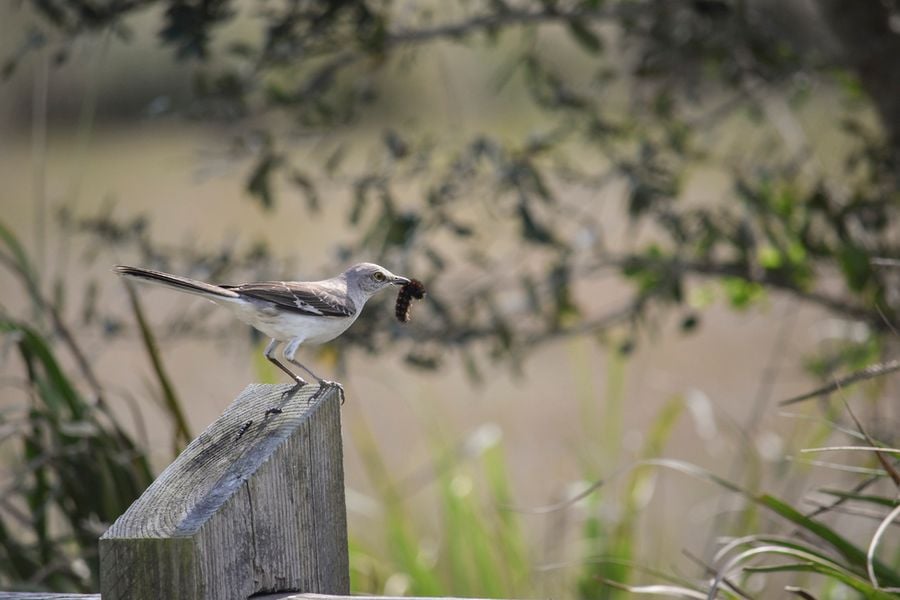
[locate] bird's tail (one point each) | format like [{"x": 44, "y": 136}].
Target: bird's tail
[{"x": 191, "y": 286}]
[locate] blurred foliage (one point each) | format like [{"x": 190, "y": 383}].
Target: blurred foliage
[
  {"x": 75, "y": 469},
  {"x": 651, "y": 94},
  {"x": 655, "y": 87}
]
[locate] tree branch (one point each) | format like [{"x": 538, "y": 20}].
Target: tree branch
[
  {"x": 767, "y": 279},
  {"x": 514, "y": 17}
]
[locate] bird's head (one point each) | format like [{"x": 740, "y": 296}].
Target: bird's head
[{"x": 370, "y": 278}]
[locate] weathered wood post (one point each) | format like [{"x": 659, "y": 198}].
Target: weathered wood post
[{"x": 244, "y": 509}]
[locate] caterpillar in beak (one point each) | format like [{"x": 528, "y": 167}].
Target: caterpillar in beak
[{"x": 413, "y": 289}]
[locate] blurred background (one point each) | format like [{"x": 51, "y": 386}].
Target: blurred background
[{"x": 643, "y": 226}]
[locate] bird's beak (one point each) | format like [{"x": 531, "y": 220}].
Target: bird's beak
[{"x": 397, "y": 280}]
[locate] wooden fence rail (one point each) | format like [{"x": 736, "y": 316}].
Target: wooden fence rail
[{"x": 282, "y": 596}]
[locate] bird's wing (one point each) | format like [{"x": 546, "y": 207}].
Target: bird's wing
[{"x": 299, "y": 297}]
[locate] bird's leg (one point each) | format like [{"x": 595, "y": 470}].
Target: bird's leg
[
  {"x": 299, "y": 382},
  {"x": 270, "y": 350},
  {"x": 289, "y": 352}
]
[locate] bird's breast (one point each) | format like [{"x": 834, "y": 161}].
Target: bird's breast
[{"x": 285, "y": 326}]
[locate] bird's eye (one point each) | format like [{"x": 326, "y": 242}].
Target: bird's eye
[{"x": 378, "y": 276}]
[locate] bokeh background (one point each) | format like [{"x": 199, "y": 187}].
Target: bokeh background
[{"x": 642, "y": 225}]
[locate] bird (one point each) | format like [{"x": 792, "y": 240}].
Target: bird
[{"x": 293, "y": 313}]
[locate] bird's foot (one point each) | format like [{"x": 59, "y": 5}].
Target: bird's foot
[
  {"x": 286, "y": 395},
  {"x": 289, "y": 393},
  {"x": 324, "y": 383}
]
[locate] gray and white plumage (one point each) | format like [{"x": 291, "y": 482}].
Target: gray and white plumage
[{"x": 289, "y": 312}]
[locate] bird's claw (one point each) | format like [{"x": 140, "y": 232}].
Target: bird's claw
[
  {"x": 333, "y": 384},
  {"x": 288, "y": 393}
]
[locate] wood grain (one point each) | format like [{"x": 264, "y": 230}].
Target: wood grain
[{"x": 244, "y": 509}]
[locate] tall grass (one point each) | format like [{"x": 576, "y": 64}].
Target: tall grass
[
  {"x": 483, "y": 549},
  {"x": 776, "y": 548},
  {"x": 480, "y": 548},
  {"x": 70, "y": 468}
]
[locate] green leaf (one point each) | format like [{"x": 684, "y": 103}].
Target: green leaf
[
  {"x": 396, "y": 145},
  {"x": 306, "y": 185},
  {"x": 690, "y": 322},
  {"x": 641, "y": 199},
  {"x": 560, "y": 281},
  {"x": 742, "y": 293},
  {"x": 526, "y": 172},
  {"x": 401, "y": 229},
  {"x": 361, "y": 189},
  {"x": 587, "y": 39},
  {"x": 855, "y": 265},
  {"x": 769, "y": 257},
  {"x": 260, "y": 183},
  {"x": 335, "y": 159},
  {"x": 532, "y": 230}
]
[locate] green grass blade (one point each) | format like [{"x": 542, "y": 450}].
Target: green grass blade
[
  {"x": 867, "y": 498},
  {"x": 853, "y": 554},
  {"x": 170, "y": 398},
  {"x": 56, "y": 389},
  {"x": 508, "y": 536},
  {"x": 402, "y": 544},
  {"x": 18, "y": 258},
  {"x": 849, "y": 579}
]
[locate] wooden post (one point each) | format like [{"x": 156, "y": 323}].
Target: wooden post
[{"x": 244, "y": 509}]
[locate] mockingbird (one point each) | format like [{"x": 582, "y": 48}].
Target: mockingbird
[{"x": 290, "y": 312}]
